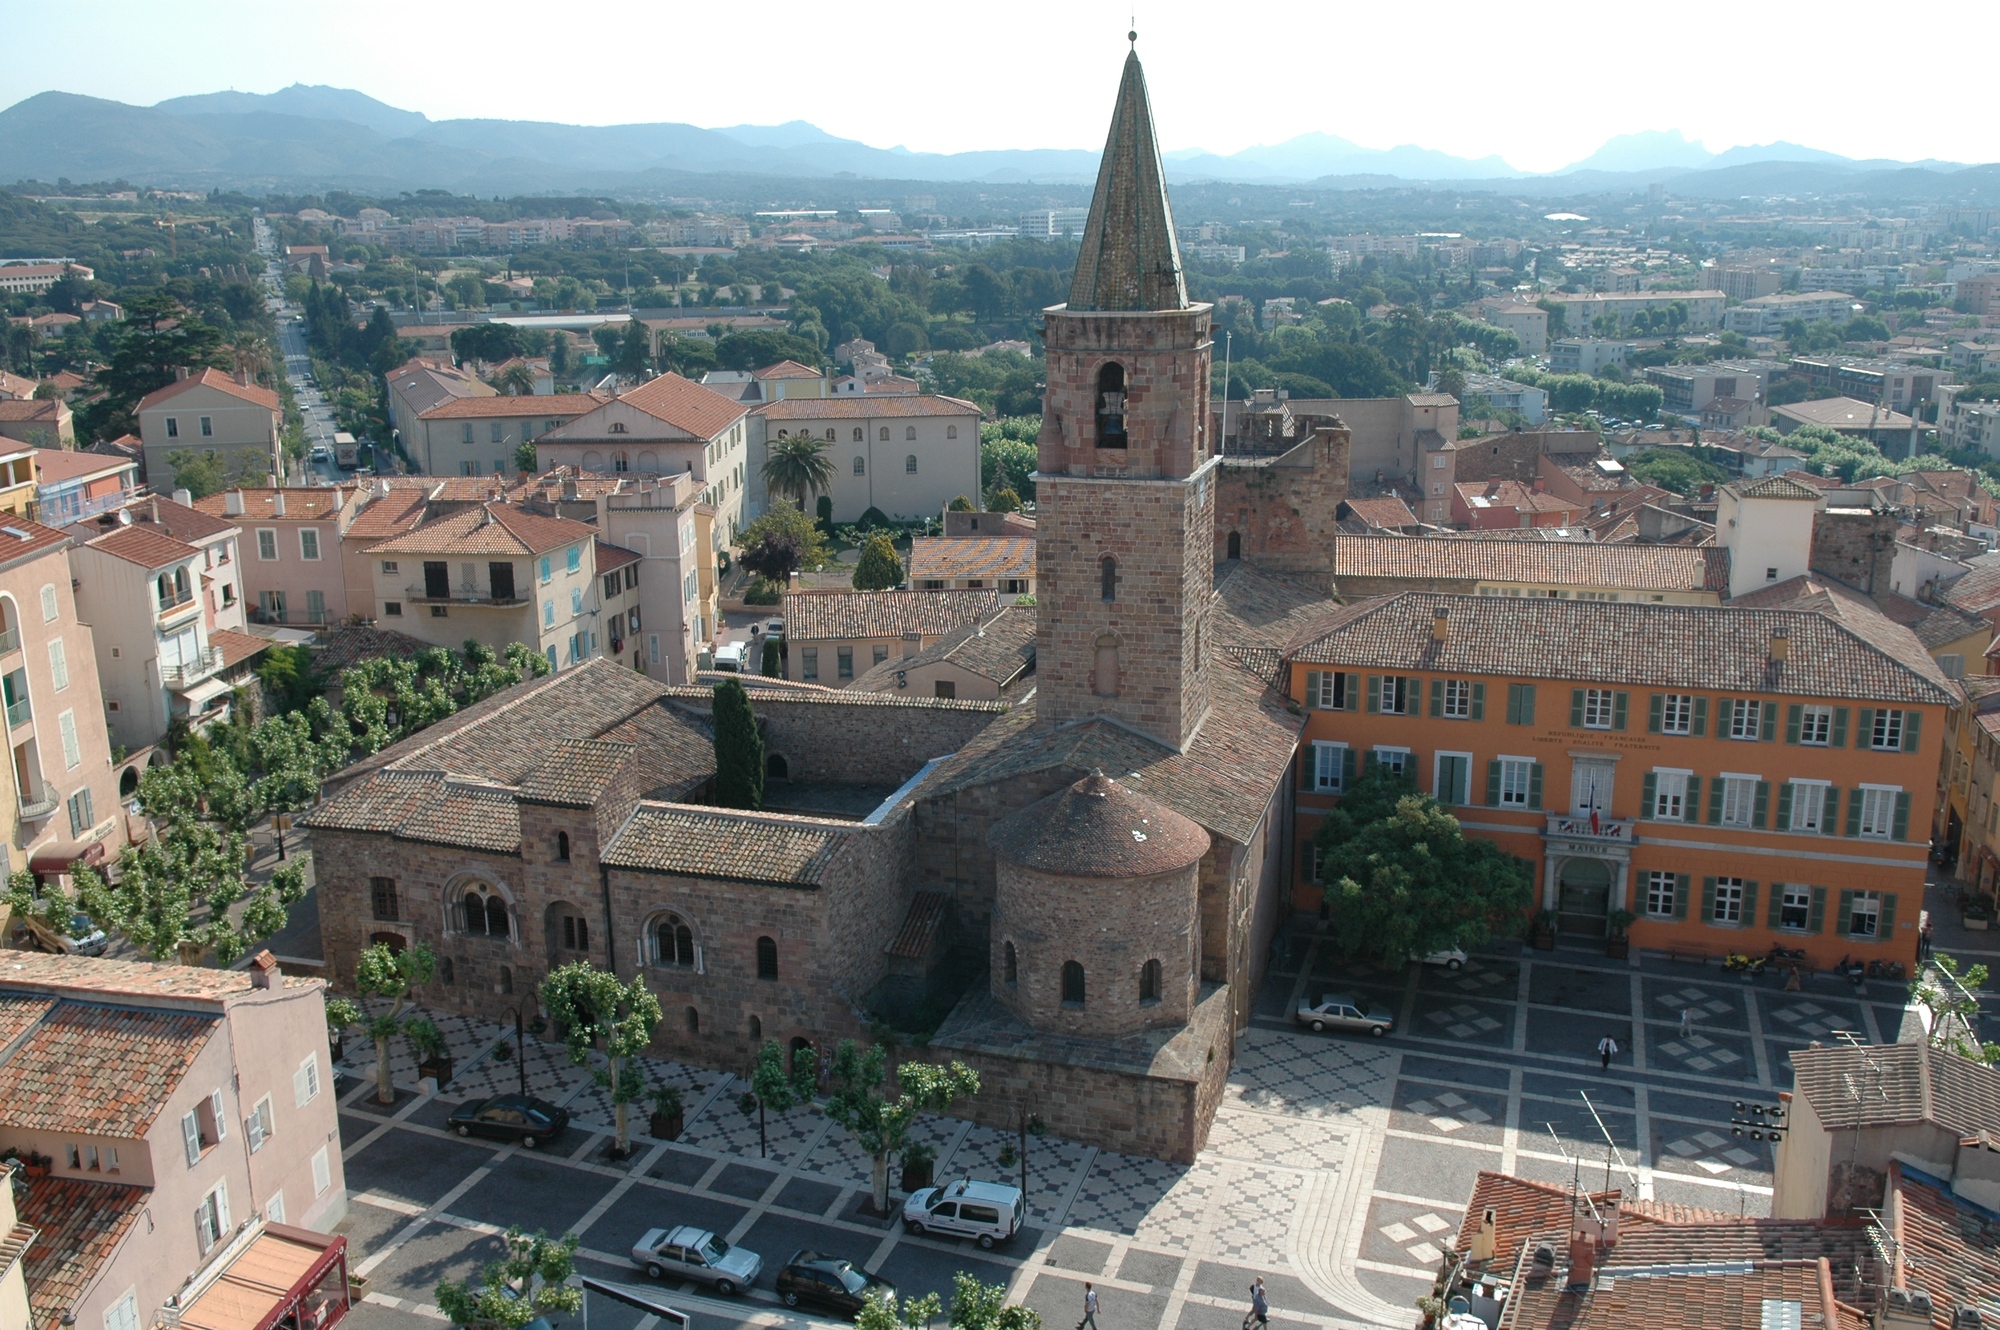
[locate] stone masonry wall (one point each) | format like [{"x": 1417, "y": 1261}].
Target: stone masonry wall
[
  {"x": 864, "y": 742},
  {"x": 1856, "y": 547},
  {"x": 1283, "y": 509}
]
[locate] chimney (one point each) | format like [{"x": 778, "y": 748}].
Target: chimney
[
  {"x": 180, "y": 373},
  {"x": 277, "y": 503},
  {"x": 1440, "y": 624},
  {"x": 1544, "y": 1263},
  {"x": 1582, "y": 1259},
  {"x": 569, "y": 488},
  {"x": 1707, "y": 491},
  {"x": 154, "y": 506},
  {"x": 232, "y": 503},
  {"x": 1540, "y": 485},
  {"x": 243, "y": 378},
  {"x": 185, "y": 498},
  {"x": 1905, "y": 1309},
  {"x": 1781, "y": 646},
  {"x": 1484, "y": 1240},
  {"x": 264, "y": 971}
]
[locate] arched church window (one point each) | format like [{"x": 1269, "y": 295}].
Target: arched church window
[
  {"x": 1072, "y": 984},
  {"x": 1107, "y": 578},
  {"x": 1111, "y": 406}
]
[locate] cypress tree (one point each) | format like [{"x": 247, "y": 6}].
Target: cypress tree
[{"x": 739, "y": 749}]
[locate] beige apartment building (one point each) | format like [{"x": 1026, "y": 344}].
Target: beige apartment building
[
  {"x": 481, "y": 436},
  {"x": 212, "y": 413},
  {"x": 835, "y": 637},
  {"x": 290, "y": 571},
  {"x": 907, "y": 456},
  {"x": 421, "y": 384},
  {"x": 179, "y": 1120}
]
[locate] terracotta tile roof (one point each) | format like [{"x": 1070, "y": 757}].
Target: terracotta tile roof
[
  {"x": 1000, "y": 649},
  {"x": 543, "y": 406},
  {"x": 1389, "y": 512},
  {"x": 145, "y": 546},
  {"x": 14, "y": 410},
  {"x": 704, "y": 694},
  {"x": 101, "y": 1070},
  {"x": 1098, "y": 828},
  {"x": 822, "y": 615},
  {"x": 921, "y": 925},
  {"x": 1902, "y": 1083},
  {"x": 1934, "y": 625},
  {"x": 153, "y": 513},
  {"x": 1951, "y": 1247},
  {"x": 1843, "y": 413},
  {"x": 343, "y": 645},
  {"x": 611, "y": 556},
  {"x": 576, "y": 773},
  {"x": 305, "y": 504},
  {"x": 53, "y": 466},
  {"x": 92, "y": 977},
  {"x": 676, "y": 751},
  {"x": 385, "y": 516},
  {"x": 13, "y": 385},
  {"x": 787, "y": 369},
  {"x": 682, "y": 403},
  {"x": 212, "y": 378},
  {"x": 22, "y": 539},
  {"x": 1481, "y": 494},
  {"x": 1867, "y": 618},
  {"x": 1784, "y": 485},
  {"x": 731, "y": 846},
  {"x": 1595, "y": 642},
  {"x": 1695, "y": 1295},
  {"x": 80, "y": 1224},
  {"x": 477, "y": 817},
  {"x": 236, "y": 647},
  {"x": 20, "y": 1013},
  {"x": 1558, "y": 563},
  {"x": 490, "y": 528},
  {"x": 972, "y": 556},
  {"x": 1978, "y": 590},
  {"x": 865, "y": 408}
]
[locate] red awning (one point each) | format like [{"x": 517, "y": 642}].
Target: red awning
[
  {"x": 60, "y": 856},
  {"x": 285, "y": 1279}
]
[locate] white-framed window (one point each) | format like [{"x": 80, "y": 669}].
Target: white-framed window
[
  {"x": 173, "y": 427},
  {"x": 1598, "y": 704},
  {"x": 208, "y": 427},
  {"x": 267, "y": 544},
  {"x": 191, "y": 1137},
  {"x": 1326, "y": 690},
  {"x": 274, "y": 1211},
  {"x": 59, "y": 663},
  {"x": 1794, "y": 907},
  {"x": 1661, "y": 889},
  {"x": 1329, "y": 766},
  {"x": 1746, "y": 719},
  {"x": 305, "y": 1081},
  {"x": 1393, "y": 759},
  {"x": 1393, "y": 697},
  {"x": 309, "y": 543},
  {"x": 322, "y": 1172},
  {"x": 1739, "y": 800},
  {"x": 389, "y": 566},
  {"x": 1517, "y": 779},
  {"x": 1886, "y": 735},
  {"x": 1864, "y": 914},
  {"x": 71, "y": 749},
  {"x": 1453, "y": 779},
  {"x": 1677, "y": 713},
  {"x": 1670, "y": 795},
  {"x": 259, "y": 1124},
  {"x": 1878, "y": 810},
  {"x": 1816, "y": 726},
  {"x": 49, "y": 606},
  {"x": 1457, "y": 699},
  {"x": 211, "y": 1218},
  {"x": 1808, "y": 805},
  {"x": 124, "y": 1313},
  {"x": 1728, "y": 901}
]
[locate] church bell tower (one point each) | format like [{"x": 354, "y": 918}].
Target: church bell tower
[{"x": 1124, "y": 557}]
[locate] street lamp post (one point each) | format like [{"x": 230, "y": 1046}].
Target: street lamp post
[{"x": 520, "y": 1050}]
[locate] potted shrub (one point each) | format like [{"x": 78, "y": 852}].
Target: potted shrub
[
  {"x": 918, "y": 1159},
  {"x": 340, "y": 1013},
  {"x": 1618, "y": 944},
  {"x": 1542, "y": 935},
  {"x": 1978, "y": 913},
  {"x": 433, "y": 1057},
  {"x": 667, "y": 1109}
]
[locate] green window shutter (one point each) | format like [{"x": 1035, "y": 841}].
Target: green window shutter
[
  {"x": 1650, "y": 795},
  {"x": 1749, "y": 904},
  {"x": 1681, "y": 895},
  {"x": 1353, "y": 691},
  {"x": 1576, "y": 708},
  {"x": 1368, "y": 763},
  {"x": 1513, "y": 704},
  {"x": 1527, "y": 704},
  {"x": 1620, "y": 703},
  {"x": 1762, "y": 810},
  {"x": 1854, "y": 812},
  {"x": 1535, "y": 786},
  {"x": 1312, "y": 688},
  {"x": 1885, "y": 924},
  {"x": 1829, "y": 813},
  {"x": 1437, "y": 697},
  {"x": 1794, "y": 718},
  {"x": 1840, "y": 727},
  {"x": 1707, "y": 899},
  {"x": 1723, "y": 710},
  {"x": 1493, "y": 783},
  {"x": 1479, "y": 701},
  {"x": 1374, "y": 693},
  {"x": 1691, "y": 809},
  {"x": 1846, "y": 913},
  {"x": 1864, "y": 733},
  {"x": 1348, "y": 760},
  {"x": 1901, "y": 830},
  {"x": 1700, "y": 717},
  {"x": 1775, "y": 911},
  {"x": 1913, "y": 728},
  {"x": 1715, "y": 802},
  {"x": 1768, "y": 731},
  {"x": 1654, "y": 710},
  {"x": 1784, "y": 807},
  {"x": 1816, "y": 917}
]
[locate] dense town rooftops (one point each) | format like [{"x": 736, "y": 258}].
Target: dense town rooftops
[
  {"x": 1704, "y": 648},
  {"x": 685, "y": 405},
  {"x": 780, "y": 849},
  {"x": 1906, "y": 1084},
  {"x": 81, "y": 1067},
  {"x": 56, "y": 466},
  {"x": 1001, "y": 649},
  {"x": 78, "y": 1224},
  {"x": 211, "y": 378},
  {"x": 1568, "y": 563},
  {"x": 147, "y": 548},
  {"x": 545, "y": 405},
  {"x": 1098, "y": 828},
  {"x": 823, "y": 615},
  {"x": 971, "y": 556},
  {"x": 1844, "y": 413},
  {"x": 490, "y": 528},
  {"x": 302, "y": 504}
]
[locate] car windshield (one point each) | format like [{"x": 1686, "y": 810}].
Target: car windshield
[
  {"x": 539, "y": 1115},
  {"x": 713, "y": 1250},
  {"x": 80, "y": 925},
  {"x": 853, "y": 1280}
]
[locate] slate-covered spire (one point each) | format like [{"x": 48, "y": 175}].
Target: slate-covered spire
[{"x": 1130, "y": 260}]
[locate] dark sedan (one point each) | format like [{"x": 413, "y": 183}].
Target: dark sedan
[
  {"x": 511, "y": 1117},
  {"x": 829, "y": 1282}
]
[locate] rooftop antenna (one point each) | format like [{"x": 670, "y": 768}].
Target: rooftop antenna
[
  {"x": 1611, "y": 1150},
  {"x": 1576, "y": 1191}
]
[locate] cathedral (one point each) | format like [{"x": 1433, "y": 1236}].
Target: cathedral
[{"x": 1106, "y": 858}]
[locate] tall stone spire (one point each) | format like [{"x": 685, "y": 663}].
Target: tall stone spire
[{"x": 1130, "y": 260}]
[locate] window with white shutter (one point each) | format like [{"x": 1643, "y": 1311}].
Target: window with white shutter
[
  {"x": 191, "y": 1137},
  {"x": 216, "y": 1112},
  {"x": 49, "y": 603},
  {"x": 322, "y": 1172},
  {"x": 58, "y": 664},
  {"x": 123, "y": 1314},
  {"x": 258, "y": 1125},
  {"x": 305, "y": 1081},
  {"x": 72, "y": 750}
]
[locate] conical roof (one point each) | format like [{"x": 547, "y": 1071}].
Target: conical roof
[
  {"x": 1130, "y": 260},
  {"x": 1098, "y": 828}
]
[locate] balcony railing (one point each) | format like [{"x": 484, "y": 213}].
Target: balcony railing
[
  {"x": 1581, "y": 826},
  {"x": 463, "y": 595},
  {"x": 41, "y": 804},
  {"x": 169, "y": 608},
  {"x": 193, "y": 671},
  {"x": 10, "y": 641},
  {"x": 18, "y": 714}
]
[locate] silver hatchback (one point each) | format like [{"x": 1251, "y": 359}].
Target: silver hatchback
[{"x": 1338, "y": 1011}]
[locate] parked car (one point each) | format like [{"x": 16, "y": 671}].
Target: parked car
[
  {"x": 1340, "y": 1012},
  {"x": 729, "y": 658},
  {"x": 829, "y": 1281},
  {"x": 1451, "y": 958},
  {"x": 511, "y": 1117},
  {"x": 774, "y": 628},
  {"x": 987, "y": 1212},
  {"x": 698, "y": 1255},
  {"x": 85, "y": 937},
  {"x": 320, "y": 453}
]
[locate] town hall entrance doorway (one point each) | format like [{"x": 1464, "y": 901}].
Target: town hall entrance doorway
[{"x": 1583, "y": 897}]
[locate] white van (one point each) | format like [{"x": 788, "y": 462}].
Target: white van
[
  {"x": 729, "y": 659},
  {"x": 987, "y": 1212}
]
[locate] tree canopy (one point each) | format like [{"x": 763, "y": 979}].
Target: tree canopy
[
  {"x": 739, "y": 749},
  {"x": 880, "y": 567}
]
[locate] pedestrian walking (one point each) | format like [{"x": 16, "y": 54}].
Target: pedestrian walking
[
  {"x": 1924, "y": 941},
  {"x": 1687, "y": 1021},
  {"x": 1607, "y": 1049},
  {"x": 1089, "y": 1307},
  {"x": 1260, "y": 1307}
]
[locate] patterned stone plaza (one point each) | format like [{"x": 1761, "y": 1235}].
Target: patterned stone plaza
[{"x": 1337, "y": 1168}]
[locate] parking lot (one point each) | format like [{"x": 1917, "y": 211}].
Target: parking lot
[{"x": 1338, "y": 1166}]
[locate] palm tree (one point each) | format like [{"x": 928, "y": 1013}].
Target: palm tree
[
  {"x": 516, "y": 380},
  {"x": 799, "y": 467},
  {"x": 249, "y": 354}
]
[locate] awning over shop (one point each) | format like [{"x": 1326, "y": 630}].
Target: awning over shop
[
  {"x": 197, "y": 696},
  {"x": 285, "y": 1279},
  {"x": 62, "y": 855}
]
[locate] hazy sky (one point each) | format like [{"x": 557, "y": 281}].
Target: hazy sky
[{"x": 1540, "y": 85}]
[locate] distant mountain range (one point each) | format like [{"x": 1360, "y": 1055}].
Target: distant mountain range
[{"x": 313, "y": 138}]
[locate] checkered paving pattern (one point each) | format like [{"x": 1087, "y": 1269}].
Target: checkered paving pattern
[
  {"x": 1053, "y": 1165},
  {"x": 1710, "y": 1152},
  {"x": 1128, "y": 1194},
  {"x": 1253, "y": 1215},
  {"x": 1700, "y": 1001},
  {"x": 592, "y": 1109},
  {"x": 1278, "y": 1072},
  {"x": 1482, "y": 981},
  {"x": 1463, "y": 1021},
  {"x": 1698, "y": 1052},
  {"x": 1810, "y": 1020},
  {"x": 1448, "y": 1111},
  {"x": 1260, "y": 1138},
  {"x": 1421, "y": 1236},
  {"x": 465, "y": 1040},
  {"x": 726, "y": 1131}
]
